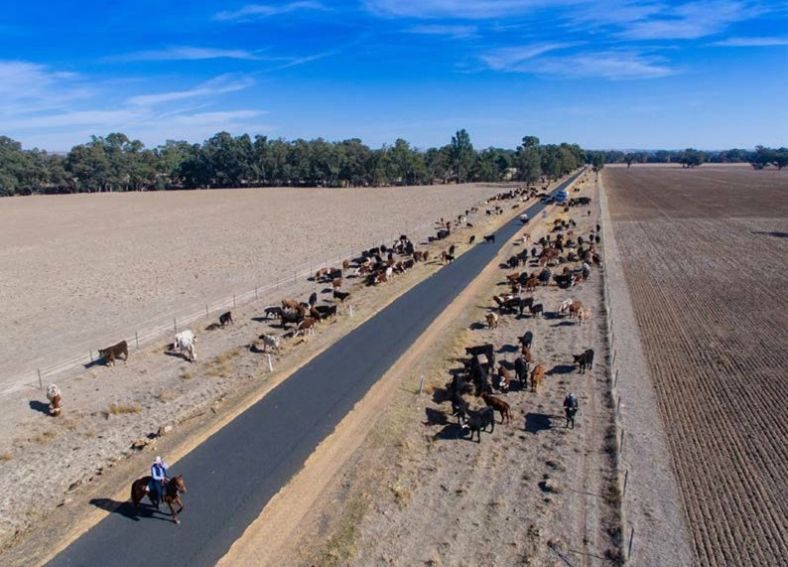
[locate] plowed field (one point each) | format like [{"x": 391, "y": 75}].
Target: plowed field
[{"x": 704, "y": 255}]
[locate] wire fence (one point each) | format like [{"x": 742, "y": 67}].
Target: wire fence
[
  {"x": 170, "y": 323},
  {"x": 623, "y": 470}
]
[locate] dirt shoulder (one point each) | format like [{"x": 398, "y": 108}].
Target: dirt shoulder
[
  {"x": 407, "y": 489},
  {"x": 652, "y": 503}
]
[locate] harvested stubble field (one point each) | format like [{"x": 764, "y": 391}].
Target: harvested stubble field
[
  {"x": 79, "y": 272},
  {"x": 704, "y": 258}
]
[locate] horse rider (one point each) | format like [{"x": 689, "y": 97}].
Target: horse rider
[
  {"x": 158, "y": 473},
  {"x": 570, "y": 409}
]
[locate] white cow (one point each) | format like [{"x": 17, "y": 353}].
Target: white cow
[
  {"x": 184, "y": 342},
  {"x": 271, "y": 342}
]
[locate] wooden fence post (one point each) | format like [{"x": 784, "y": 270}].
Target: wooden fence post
[
  {"x": 137, "y": 339},
  {"x": 270, "y": 366},
  {"x": 40, "y": 382},
  {"x": 175, "y": 324},
  {"x": 631, "y": 539}
]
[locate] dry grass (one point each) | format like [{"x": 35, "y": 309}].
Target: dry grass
[
  {"x": 6, "y": 456},
  {"x": 43, "y": 437},
  {"x": 341, "y": 546},
  {"x": 121, "y": 408},
  {"x": 223, "y": 365},
  {"x": 167, "y": 395}
]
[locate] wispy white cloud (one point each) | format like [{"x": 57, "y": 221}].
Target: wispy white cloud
[
  {"x": 220, "y": 85},
  {"x": 752, "y": 42},
  {"x": 451, "y": 31},
  {"x": 599, "y": 64},
  {"x": 186, "y": 53},
  {"x": 256, "y": 11},
  {"x": 692, "y": 20},
  {"x": 512, "y": 58},
  {"x": 464, "y": 9}
]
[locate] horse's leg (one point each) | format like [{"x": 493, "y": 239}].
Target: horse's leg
[{"x": 174, "y": 513}]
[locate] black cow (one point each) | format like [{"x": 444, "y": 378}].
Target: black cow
[
  {"x": 585, "y": 360},
  {"x": 226, "y": 319},
  {"x": 478, "y": 421}
]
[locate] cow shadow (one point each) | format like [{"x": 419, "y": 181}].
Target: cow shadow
[
  {"x": 505, "y": 349},
  {"x": 561, "y": 369},
  {"x": 476, "y": 326},
  {"x": 452, "y": 432},
  {"x": 97, "y": 362},
  {"x": 262, "y": 319},
  {"x": 551, "y": 315},
  {"x": 536, "y": 422},
  {"x": 435, "y": 417},
  {"x": 564, "y": 324},
  {"x": 180, "y": 355},
  {"x": 773, "y": 233},
  {"x": 35, "y": 405}
]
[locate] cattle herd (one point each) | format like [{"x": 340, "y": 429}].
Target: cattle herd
[
  {"x": 476, "y": 391},
  {"x": 295, "y": 318}
]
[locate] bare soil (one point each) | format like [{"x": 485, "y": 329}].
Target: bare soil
[
  {"x": 704, "y": 259},
  {"x": 531, "y": 493}
]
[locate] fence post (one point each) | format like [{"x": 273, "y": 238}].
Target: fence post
[
  {"x": 626, "y": 479},
  {"x": 270, "y": 366},
  {"x": 175, "y": 324},
  {"x": 255, "y": 294},
  {"x": 137, "y": 339},
  {"x": 40, "y": 382},
  {"x": 615, "y": 378},
  {"x": 91, "y": 356},
  {"x": 621, "y": 445},
  {"x": 233, "y": 301},
  {"x": 618, "y": 407},
  {"x": 350, "y": 308},
  {"x": 631, "y": 539},
  {"x": 421, "y": 385},
  {"x": 206, "y": 309}
]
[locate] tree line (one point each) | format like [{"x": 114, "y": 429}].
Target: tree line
[
  {"x": 759, "y": 158},
  {"x": 117, "y": 163}
]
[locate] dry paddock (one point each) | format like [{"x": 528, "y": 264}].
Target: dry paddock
[
  {"x": 78, "y": 272},
  {"x": 704, "y": 259}
]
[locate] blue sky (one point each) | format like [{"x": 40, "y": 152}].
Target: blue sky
[{"x": 602, "y": 73}]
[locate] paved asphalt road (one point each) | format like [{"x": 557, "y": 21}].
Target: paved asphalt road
[{"x": 232, "y": 475}]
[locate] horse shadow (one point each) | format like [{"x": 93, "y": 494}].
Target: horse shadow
[
  {"x": 126, "y": 509},
  {"x": 435, "y": 417},
  {"x": 35, "y": 405},
  {"x": 536, "y": 422},
  {"x": 561, "y": 369}
]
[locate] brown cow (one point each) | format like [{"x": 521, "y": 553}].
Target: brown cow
[
  {"x": 113, "y": 352},
  {"x": 291, "y": 304},
  {"x": 336, "y": 283},
  {"x": 498, "y": 405},
  {"x": 492, "y": 320},
  {"x": 504, "y": 379},
  {"x": 527, "y": 354},
  {"x": 307, "y": 325},
  {"x": 537, "y": 375}
]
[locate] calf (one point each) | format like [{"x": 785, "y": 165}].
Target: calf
[
  {"x": 489, "y": 238},
  {"x": 54, "y": 397},
  {"x": 521, "y": 370},
  {"x": 537, "y": 375},
  {"x": 114, "y": 352},
  {"x": 326, "y": 311},
  {"x": 537, "y": 309},
  {"x": 273, "y": 311},
  {"x": 584, "y": 360},
  {"x": 226, "y": 319},
  {"x": 472, "y": 239},
  {"x": 336, "y": 283},
  {"x": 479, "y": 420},
  {"x": 498, "y": 405},
  {"x": 313, "y": 299},
  {"x": 271, "y": 342},
  {"x": 306, "y": 326},
  {"x": 504, "y": 379},
  {"x": 492, "y": 320},
  {"x": 185, "y": 343},
  {"x": 341, "y": 295},
  {"x": 527, "y": 339},
  {"x": 459, "y": 408}
]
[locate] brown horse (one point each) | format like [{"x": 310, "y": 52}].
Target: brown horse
[{"x": 172, "y": 494}]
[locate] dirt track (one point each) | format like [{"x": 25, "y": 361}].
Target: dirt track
[{"x": 704, "y": 257}]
